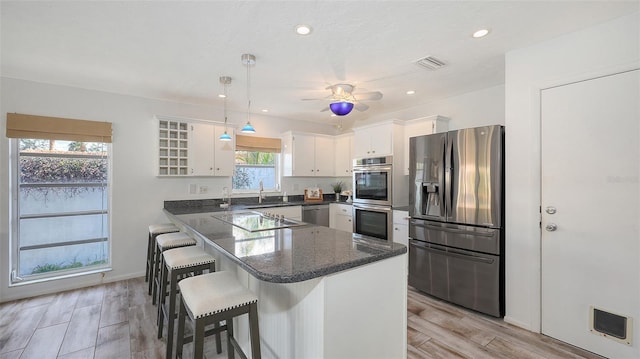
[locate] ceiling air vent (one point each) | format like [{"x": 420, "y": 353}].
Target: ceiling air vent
[{"x": 430, "y": 63}]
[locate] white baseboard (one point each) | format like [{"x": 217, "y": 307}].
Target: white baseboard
[{"x": 61, "y": 285}]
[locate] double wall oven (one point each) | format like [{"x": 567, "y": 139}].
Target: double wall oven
[{"x": 372, "y": 197}]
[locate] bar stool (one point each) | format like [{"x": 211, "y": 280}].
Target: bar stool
[
  {"x": 154, "y": 231},
  {"x": 211, "y": 298},
  {"x": 165, "y": 242},
  {"x": 179, "y": 263}
]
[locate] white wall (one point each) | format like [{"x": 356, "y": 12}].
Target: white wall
[
  {"x": 472, "y": 109},
  {"x": 604, "y": 49},
  {"x": 137, "y": 194}
]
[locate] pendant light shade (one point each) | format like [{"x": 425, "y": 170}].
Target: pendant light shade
[
  {"x": 341, "y": 108},
  {"x": 248, "y": 60},
  {"x": 248, "y": 128},
  {"x": 225, "y": 136},
  {"x": 225, "y": 81}
]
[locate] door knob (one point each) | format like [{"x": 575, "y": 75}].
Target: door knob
[
  {"x": 550, "y": 210},
  {"x": 551, "y": 227}
]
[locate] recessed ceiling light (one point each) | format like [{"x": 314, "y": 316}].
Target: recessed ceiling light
[
  {"x": 481, "y": 33},
  {"x": 222, "y": 95},
  {"x": 265, "y": 110},
  {"x": 410, "y": 92},
  {"x": 303, "y": 30}
]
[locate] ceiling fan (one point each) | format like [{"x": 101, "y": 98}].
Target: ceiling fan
[{"x": 343, "y": 99}]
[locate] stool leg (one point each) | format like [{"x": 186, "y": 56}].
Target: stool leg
[
  {"x": 180, "y": 340},
  {"x": 171, "y": 311},
  {"x": 161, "y": 300},
  {"x": 254, "y": 331},
  {"x": 231, "y": 351},
  {"x": 198, "y": 338},
  {"x": 152, "y": 268},
  {"x": 147, "y": 271},
  {"x": 156, "y": 274}
]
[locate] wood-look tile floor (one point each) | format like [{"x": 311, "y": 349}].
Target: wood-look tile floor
[{"x": 117, "y": 320}]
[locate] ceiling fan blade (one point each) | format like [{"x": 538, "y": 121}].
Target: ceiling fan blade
[
  {"x": 369, "y": 96},
  {"x": 361, "y": 106},
  {"x": 325, "y": 109}
]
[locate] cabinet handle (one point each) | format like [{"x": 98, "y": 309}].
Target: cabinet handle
[
  {"x": 349, "y": 220},
  {"x": 396, "y": 228}
]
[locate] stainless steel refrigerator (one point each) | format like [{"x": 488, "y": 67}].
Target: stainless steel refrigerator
[{"x": 456, "y": 205}]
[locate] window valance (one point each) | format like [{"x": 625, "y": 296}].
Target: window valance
[
  {"x": 56, "y": 128},
  {"x": 258, "y": 144}
]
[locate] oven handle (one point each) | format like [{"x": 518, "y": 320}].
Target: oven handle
[
  {"x": 371, "y": 207},
  {"x": 369, "y": 168},
  {"x": 452, "y": 230},
  {"x": 451, "y": 252}
]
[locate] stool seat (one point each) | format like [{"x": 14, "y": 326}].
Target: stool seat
[
  {"x": 160, "y": 228},
  {"x": 213, "y": 293},
  {"x": 174, "y": 240},
  {"x": 154, "y": 231},
  {"x": 185, "y": 257}
]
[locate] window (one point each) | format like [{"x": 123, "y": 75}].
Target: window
[
  {"x": 253, "y": 167},
  {"x": 256, "y": 160},
  {"x": 60, "y": 211}
]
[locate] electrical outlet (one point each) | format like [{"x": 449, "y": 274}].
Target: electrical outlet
[
  {"x": 193, "y": 188},
  {"x": 204, "y": 189}
]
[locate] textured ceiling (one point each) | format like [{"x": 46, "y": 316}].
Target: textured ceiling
[{"x": 178, "y": 50}]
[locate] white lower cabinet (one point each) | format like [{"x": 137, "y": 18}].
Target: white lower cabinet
[
  {"x": 401, "y": 227},
  {"x": 290, "y": 212},
  {"x": 340, "y": 217}
]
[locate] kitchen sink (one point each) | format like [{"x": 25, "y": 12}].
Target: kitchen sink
[{"x": 253, "y": 221}]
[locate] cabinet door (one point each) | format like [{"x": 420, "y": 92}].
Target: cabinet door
[
  {"x": 304, "y": 155},
  {"x": 343, "y": 156},
  {"x": 202, "y": 149},
  {"x": 224, "y": 156},
  {"x": 340, "y": 217},
  {"x": 381, "y": 140},
  {"x": 324, "y": 156},
  {"x": 374, "y": 141},
  {"x": 362, "y": 143},
  {"x": 401, "y": 227}
]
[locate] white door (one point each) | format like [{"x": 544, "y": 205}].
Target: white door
[{"x": 590, "y": 176}]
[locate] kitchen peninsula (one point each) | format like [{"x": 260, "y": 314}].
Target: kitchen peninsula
[{"x": 322, "y": 292}]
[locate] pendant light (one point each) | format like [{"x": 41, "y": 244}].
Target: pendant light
[
  {"x": 225, "y": 81},
  {"x": 248, "y": 60}
]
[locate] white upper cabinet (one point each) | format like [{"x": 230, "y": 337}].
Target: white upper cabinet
[
  {"x": 306, "y": 154},
  {"x": 381, "y": 139},
  {"x": 208, "y": 155},
  {"x": 344, "y": 155},
  {"x": 422, "y": 126},
  {"x": 225, "y": 152}
]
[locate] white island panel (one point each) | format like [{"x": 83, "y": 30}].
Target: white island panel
[{"x": 356, "y": 313}]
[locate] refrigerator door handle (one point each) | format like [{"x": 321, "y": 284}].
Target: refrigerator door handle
[
  {"x": 442, "y": 179},
  {"x": 452, "y": 253},
  {"x": 454, "y": 230},
  {"x": 448, "y": 172}
]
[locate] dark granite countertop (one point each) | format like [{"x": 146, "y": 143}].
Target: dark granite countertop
[
  {"x": 213, "y": 205},
  {"x": 287, "y": 255}
]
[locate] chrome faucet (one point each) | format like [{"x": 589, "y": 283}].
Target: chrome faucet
[{"x": 260, "y": 193}]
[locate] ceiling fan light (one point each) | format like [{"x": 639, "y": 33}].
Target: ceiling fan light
[
  {"x": 248, "y": 128},
  {"x": 341, "y": 108},
  {"x": 225, "y": 137}
]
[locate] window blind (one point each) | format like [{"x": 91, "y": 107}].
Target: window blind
[
  {"x": 258, "y": 144},
  {"x": 56, "y": 128}
]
